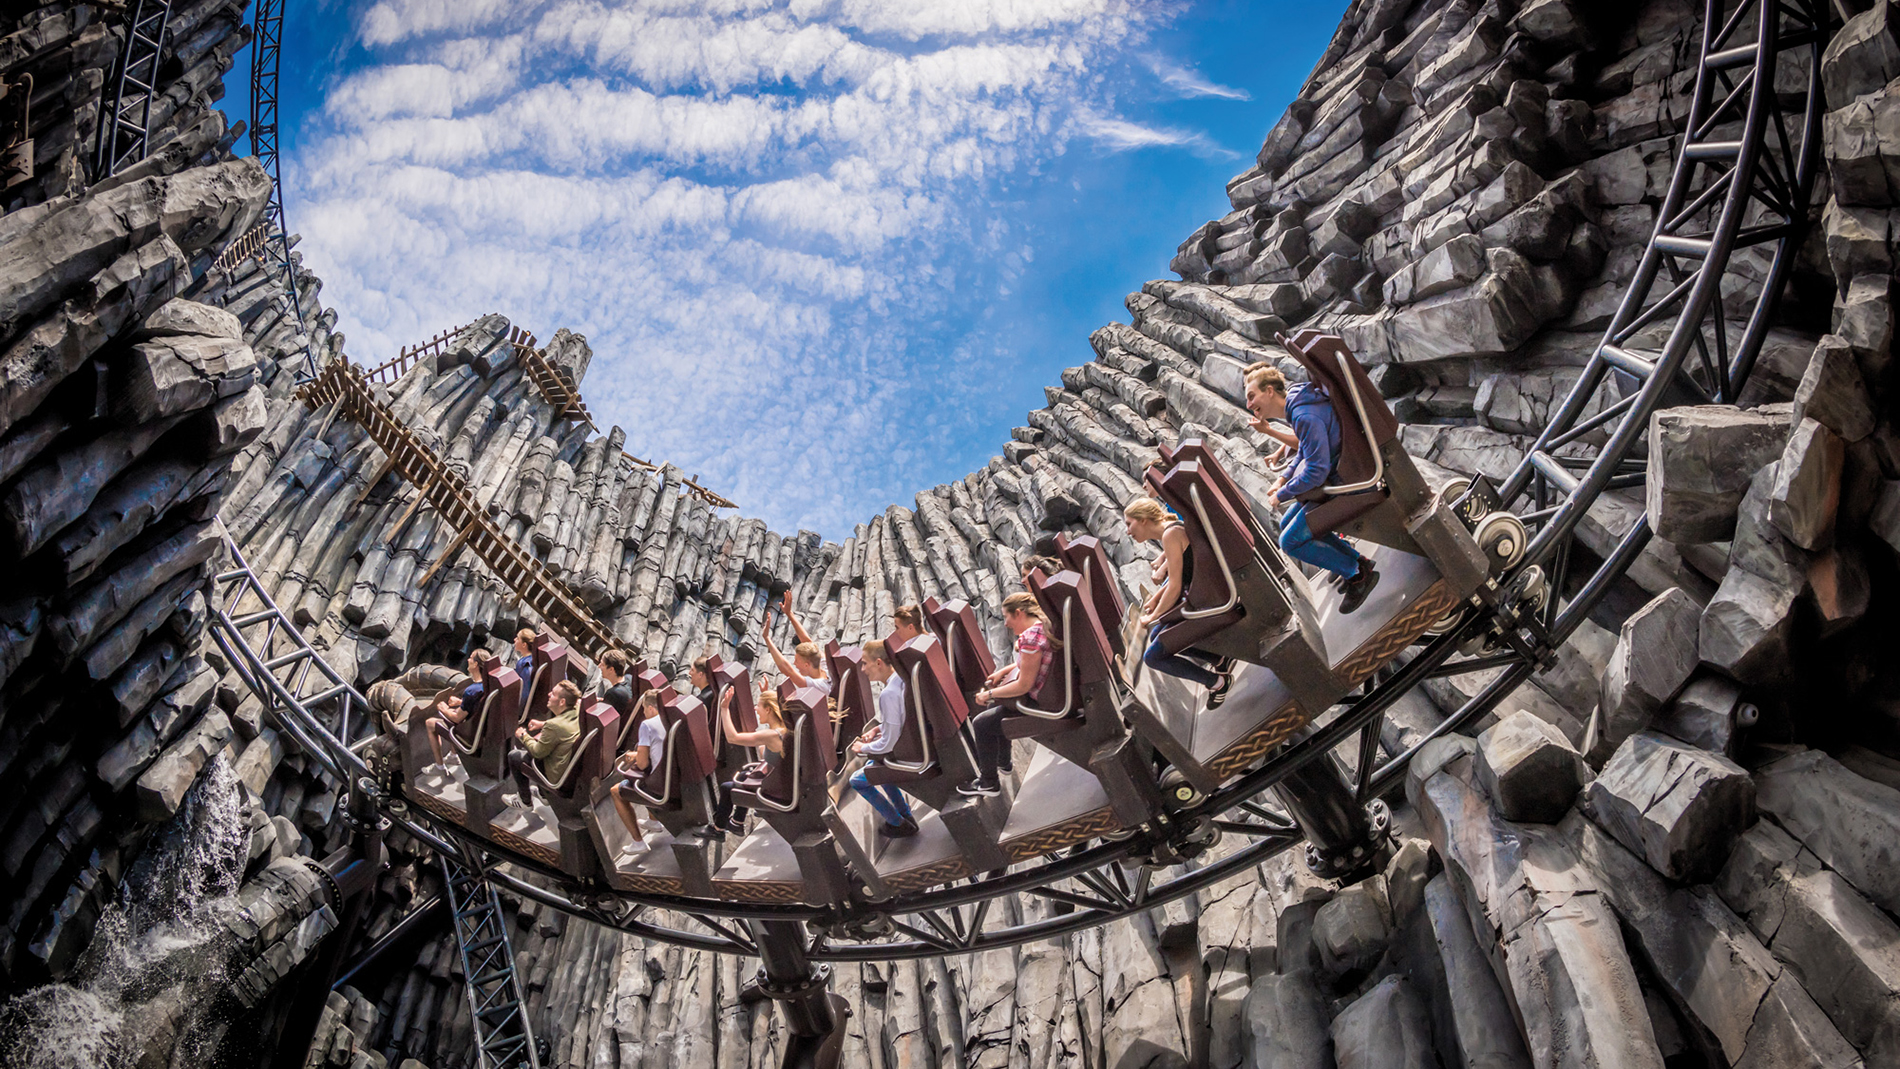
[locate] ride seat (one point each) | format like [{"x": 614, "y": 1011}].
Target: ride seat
[
  {"x": 964, "y": 647},
  {"x": 1084, "y": 658},
  {"x": 801, "y": 775},
  {"x": 642, "y": 679},
  {"x": 593, "y": 759},
  {"x": 850, "y": 691},
  {"x": 550, "y": 667},
  {"x": 1221, "y": 542},
  {"x": 687, "y": 758},
  {"x": 934, "y": 711},
  {"x": 1084, "y": 554},
  {"x": 494, "y": 727}
]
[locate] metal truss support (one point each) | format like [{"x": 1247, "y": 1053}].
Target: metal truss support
[
  {"x": 125, "y": 120},
  {"x": 267, "y": 45},
  {"x": 503, "y": 1037}
]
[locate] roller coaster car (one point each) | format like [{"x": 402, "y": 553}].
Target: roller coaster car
[
  {"x": 929, "y": 759},
  {"x": 1242, "y": 601},
  {"x": 1379, "y": 494},
  {"x": 964, "y": 648},
  {"x": 485, "y": 761},
  {"x": 570, "y": 796},
  {"x": 677, "y": 791},
  {"x": 794, "y": 797},
  {"x": 850, "y": 693},
  {"x": 1084, "y": 555},
  {"x": 1077, "y": 713}
]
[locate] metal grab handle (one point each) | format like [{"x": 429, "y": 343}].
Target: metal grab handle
[
  {"x": 923, "y": 730},
  {"x": 1220, "y": 558},
  {"x": 672, "y": 763},
  {"x": 1068, "y": 674},
  {"x": 481, "y": 725},
  {"x": 798, "y": 769},
  {"x": 1365, "y": 422}
]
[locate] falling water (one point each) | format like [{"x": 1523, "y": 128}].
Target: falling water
[{"x": 138, "y": 995}]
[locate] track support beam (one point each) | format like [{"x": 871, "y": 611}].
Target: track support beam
[{"x": 814, "y": 1014}]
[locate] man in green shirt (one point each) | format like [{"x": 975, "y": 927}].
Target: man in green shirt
[{"x": 549, "y": 741}]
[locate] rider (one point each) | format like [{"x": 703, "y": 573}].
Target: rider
[
  {"x": 880, "y": 739},
  {"x": 806, "y": 667},
  {"x": 1309, "y": 408},
  {"x": 1148, "y": 521}
]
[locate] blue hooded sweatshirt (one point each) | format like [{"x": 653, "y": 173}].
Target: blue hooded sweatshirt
[{"x": 1309, "y": 408}]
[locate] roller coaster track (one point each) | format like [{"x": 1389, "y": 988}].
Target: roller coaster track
[
  {"x": 125, "y": 117},
  {"x": 267, "y": 45},
  {"x": 1743, "y": 178}
]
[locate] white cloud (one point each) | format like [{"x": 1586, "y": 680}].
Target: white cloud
[
  {"x": 761, "y": 213},
  {"x": 1120, "y": 135},
  {"x": 1187, "y": 82}
]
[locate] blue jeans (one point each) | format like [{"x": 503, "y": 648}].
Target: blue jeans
[
  {"x": 1328, "y": 551},
  {"x": 1179, "y": 665},
  {"x": 889, "y": 802}
]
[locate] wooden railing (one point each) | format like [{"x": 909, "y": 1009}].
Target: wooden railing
[
  {"x": 348, "y": 388},
  {"x": 248, "y": 245},
  {"x": 390, "y": 370}
]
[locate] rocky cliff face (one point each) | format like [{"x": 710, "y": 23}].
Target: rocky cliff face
[{"x": 1677, "y": 845}]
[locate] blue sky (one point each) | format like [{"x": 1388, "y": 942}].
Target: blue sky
[{"x": 826, "y": 253}]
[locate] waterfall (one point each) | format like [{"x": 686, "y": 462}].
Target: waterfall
[{"x": 139, "y": 995}]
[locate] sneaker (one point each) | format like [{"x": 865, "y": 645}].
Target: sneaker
[
  {"x": 976, "y": 788},
  {"x": 435, "y": 769},
  {"x": 1217, "y": 693},
  {"x": 636, "y": 847},
  {"x": 1359, "y": 587},
  {"x": 896, "y": 831},
  {"x": 735, "y": 827}
]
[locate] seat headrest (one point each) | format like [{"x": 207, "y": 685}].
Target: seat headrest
[
  {"x": 938, "y": 687},
  {"x": 1322, "y": 355},
  {"x": 1180, "y": 487},
  {"x": 813, "y": 706},
  {"x": 1089, "y": 642},
  {"x": 733, "y": 676}
]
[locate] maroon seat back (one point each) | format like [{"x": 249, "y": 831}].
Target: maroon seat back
[
  {"x": 850, "y": 690},
  {"x": 597, "y": 757},
  {"x": 1181, "y": 487},
  {"x": 967, "y": 652},
  {"x": 733, "y": 676},
  {"x": 501, "y": 695},
  {"x": 1062, "y": 596},
  {"x": 550, "y": 667},
  {"x": 931, "y": 687},
  {"x": 807, "y": 714},
  {"x": 1084, "y": 554},
  {"x": 691, "y": 746},
  {"x": 1330, "y": 364}
]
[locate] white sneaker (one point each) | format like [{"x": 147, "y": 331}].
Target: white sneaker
[
  {"x": 636, "y": 847},
  {"x": 652, "y": 825},
  {"x": 437, "y": 769}
]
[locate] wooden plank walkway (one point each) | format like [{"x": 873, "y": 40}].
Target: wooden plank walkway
[{"x": 348, "y": 388}]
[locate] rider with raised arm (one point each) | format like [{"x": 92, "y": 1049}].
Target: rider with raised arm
[
  {"x": 1149, "y": 521},
  {"x": 1309, "y": 408},
  {"x": 880, "y": 739},
  {"x": 806, "y": 667},
  {"x": 771, "y": 734}
]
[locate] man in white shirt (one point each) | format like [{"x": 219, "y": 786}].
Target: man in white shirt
[{"x": 881, "y": 738}]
